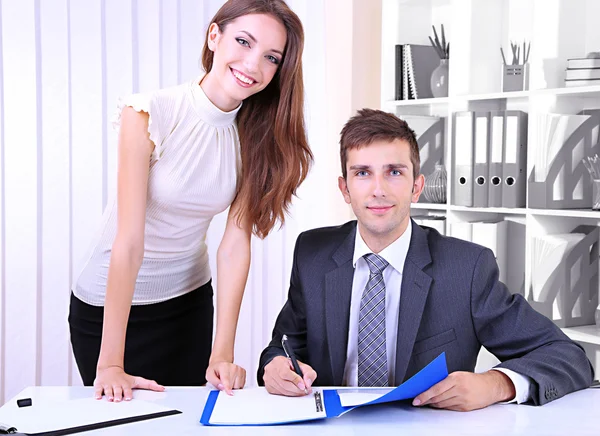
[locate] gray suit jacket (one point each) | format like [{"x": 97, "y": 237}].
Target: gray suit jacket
[{"x": 451, "y": 300}]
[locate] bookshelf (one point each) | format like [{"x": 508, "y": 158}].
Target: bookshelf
[{"x": 476, "y": 29}]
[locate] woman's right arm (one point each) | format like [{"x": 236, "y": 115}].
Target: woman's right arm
[{"x": 135, "y": 148}]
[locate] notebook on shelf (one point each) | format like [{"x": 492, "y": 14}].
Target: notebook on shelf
[
  {"x": 414, "y": 64},
  {"x": 579, "y": 63},
  {"x": 419, "y": 63}
]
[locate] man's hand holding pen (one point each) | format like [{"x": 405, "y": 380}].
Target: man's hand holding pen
[
  {"x": 280, "y": 378},
  {"x": 289, "y": 376}
]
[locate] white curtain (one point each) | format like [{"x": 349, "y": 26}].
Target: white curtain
[{"x": 62, "y": 66}]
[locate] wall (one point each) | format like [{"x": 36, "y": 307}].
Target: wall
[{"x": 63, "y": 64}]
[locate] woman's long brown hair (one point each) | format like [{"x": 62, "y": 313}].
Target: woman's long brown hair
[{"x": 275, "y": 152}]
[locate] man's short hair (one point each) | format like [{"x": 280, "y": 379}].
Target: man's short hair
[{"x": 370, "y": 125}]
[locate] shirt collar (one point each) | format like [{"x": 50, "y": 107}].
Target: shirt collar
[{"x": 394, "y": 254}]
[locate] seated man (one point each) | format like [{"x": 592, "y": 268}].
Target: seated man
[{"x": 373, "y": 301}]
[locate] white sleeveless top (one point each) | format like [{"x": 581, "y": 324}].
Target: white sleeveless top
[{"x": 193, "y": 176}]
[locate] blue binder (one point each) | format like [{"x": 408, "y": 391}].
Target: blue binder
[{"x": 432, "y": 374}]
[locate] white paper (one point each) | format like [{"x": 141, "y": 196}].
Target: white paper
[
  {"x": 549, "y": 252},
  {"x": 257, "y": 406},
  {"x": 358, "y": 397},
  {"x": 74, "y": 413}
]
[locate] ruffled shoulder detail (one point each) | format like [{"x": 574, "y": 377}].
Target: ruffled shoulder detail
[{"x": 145, "y": 103}]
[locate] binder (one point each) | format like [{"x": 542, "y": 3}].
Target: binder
[
  {"x": 515, "y": 159},
  {"x": 256, "y": 407},
  {"x": 398, "y": 93},
  {"x": 419, "y": 63},
  {"x": 480, "y": 171},
  {"x": 495, "y": 158},
  {"x": 462, "y": 180}
]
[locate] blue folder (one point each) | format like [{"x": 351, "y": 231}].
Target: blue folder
[{"x": 432, "y": 374}]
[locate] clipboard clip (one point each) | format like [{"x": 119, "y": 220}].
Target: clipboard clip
[{"x": 318, "y": 401}]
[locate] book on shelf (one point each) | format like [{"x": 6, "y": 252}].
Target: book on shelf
[
  {"x": 588, "y": 82},
  {"x": 582, "y": 63},
  {"x": 582, "y": 74},
  {"x": 413, "y": 68}
]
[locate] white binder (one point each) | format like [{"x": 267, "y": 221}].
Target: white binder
[
  {"x": 462, "y": 180},
  {"x": 497, "y": 124},
  {"x": 514, "y": 169},
  {"x": 480, "y": 171}
]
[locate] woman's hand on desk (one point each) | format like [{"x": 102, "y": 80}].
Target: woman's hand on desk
[
  {"x": 280, "y": 378},
  {"x": 116, "y": 384},
  {"x": 226, "y": 376}
]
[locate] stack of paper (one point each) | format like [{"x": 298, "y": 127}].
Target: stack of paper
[
  {"x": 551, "y": 132},
  {"x": 548, "y": 253}
]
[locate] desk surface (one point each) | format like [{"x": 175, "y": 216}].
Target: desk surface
[{"x": 575, "y": 414}]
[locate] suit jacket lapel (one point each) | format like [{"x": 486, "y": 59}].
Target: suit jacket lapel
[
  {"x": 415, "y": 288},
  {"x": 338, "y": 293}
]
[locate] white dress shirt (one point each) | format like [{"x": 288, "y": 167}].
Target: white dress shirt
[{"x": 395, "y": 255}]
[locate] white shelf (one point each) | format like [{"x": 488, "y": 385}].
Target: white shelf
[
  {"x": 558, "y": 31},
  {"x": 589, "y": 334},
  {"x": 577, "y": 213},
  {"x": 493, "y": 96},
  {"x": 420, "y": 102},
  {"x": 574, "y": 213},
  {"x": 575, "y": 91},
  {"x": 579, "y": 91},
  {"x": 503, "y": 210},
  {"x": 430, "y": 206}
]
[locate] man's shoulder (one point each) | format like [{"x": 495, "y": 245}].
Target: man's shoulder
[
  {"x": 342, "y": 230},
  {"x": 325, "y": 240}
]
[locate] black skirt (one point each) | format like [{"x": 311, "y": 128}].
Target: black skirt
[{"x": 169, "y": 342}]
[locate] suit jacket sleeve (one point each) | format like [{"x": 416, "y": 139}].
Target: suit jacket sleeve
[
  {"x": 291, "y": 322},
  {"x": 524, "y": 340}
]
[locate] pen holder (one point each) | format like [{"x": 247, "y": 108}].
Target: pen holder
[
  {"x": 595, "y": 194},
  {"x": 515, "y": 77}
]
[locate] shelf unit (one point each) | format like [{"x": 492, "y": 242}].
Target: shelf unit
[
  {"x": 476, "y": 29},
  {"x": 581, "y": 91}
]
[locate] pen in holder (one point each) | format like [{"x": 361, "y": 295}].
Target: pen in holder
[
  {"x": 515, "y": 77},
  {"x": 592, "y": 164}
]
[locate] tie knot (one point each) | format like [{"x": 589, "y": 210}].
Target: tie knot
[{"x": 376, "y": 263}]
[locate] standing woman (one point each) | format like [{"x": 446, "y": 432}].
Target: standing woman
[{"x": 141, "y": 312}]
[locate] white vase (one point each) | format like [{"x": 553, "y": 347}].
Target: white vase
[{"x": 439, "y": 79}]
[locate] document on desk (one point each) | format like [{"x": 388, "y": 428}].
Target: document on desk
[
  {"x": 255, "y": 406},
  {"x": 84, "y": 414}
]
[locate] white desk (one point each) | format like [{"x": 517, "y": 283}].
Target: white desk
[{"x": 574, "y": 415}]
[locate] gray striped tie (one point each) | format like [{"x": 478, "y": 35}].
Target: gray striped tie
[{"x": 372, "y": 356}]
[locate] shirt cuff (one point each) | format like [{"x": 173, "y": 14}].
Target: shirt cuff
[{"x": 521, "y": 383}]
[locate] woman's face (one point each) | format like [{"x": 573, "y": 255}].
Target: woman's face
[{"x": 247, "y": 54}]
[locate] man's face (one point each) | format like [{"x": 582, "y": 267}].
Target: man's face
[{"x": 380, "y": 188}]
